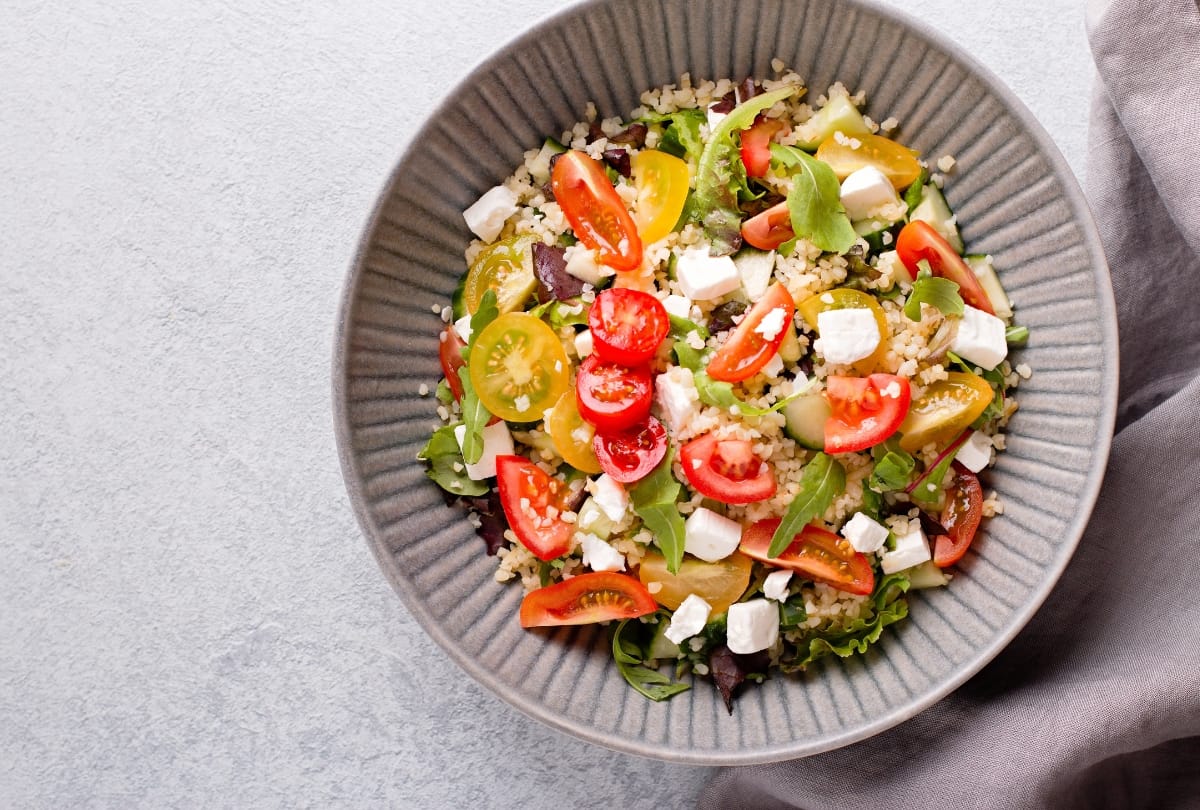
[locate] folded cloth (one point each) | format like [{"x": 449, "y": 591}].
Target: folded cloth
[{"x": 1096, "y": 703}]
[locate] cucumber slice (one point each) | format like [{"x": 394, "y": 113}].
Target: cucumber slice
[
  {"x": 456, "y": 300},
  {"x": 789, "y": 349},
  {"x": 985, "y": 271},
  {"x": 756, "y": 267},
  {"x": 592, "y": 520},
  {"x": 805, "y": 420},
  {"x": 662, "y": 647},
  {"x": 926, "y": 575},
  {"x": 934, "y": 210},
  {"x": 838, "y": 115}
]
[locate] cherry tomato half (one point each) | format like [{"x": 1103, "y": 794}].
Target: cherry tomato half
[
  {"x": 527, "y": 495},
  {"x": 918, "y": 240},
  {"x": 898, "y": 163},
  {"x": 719, "y": 583},
  {"x": 865, "y": 410},
  {"x": 769, "y": 229},
  {"x": 944, "y": 409},
  {"x": 627, "y": 326},
  {"x": 519, "y": 368},
  {"x": 595, "y": 211},
  {"x": 597, "y": 596},
  {"x": 726, "y": 470},
  {"x": 662, "y": 182},
  {"x": 613, "y": 397},
  {"x": 450, "y": 348},
  {"x": 960, "y": 517},
  {"x": 756, "y": 145},
  {"x": 630, "y": 455},
  {"x": 756, "y": 339},
  {"x": 816, "y": 553},
  {"x": 505, "y": 267}
]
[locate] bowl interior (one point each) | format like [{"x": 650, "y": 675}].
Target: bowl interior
[{"x": 1015, "y": 199}]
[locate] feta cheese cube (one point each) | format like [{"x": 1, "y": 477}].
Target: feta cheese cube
[
  {"x": 497, "y": 441},
  {"x": 752, "y": 626},
  {"x": 677, "y": 397},
  {"x": 774, "y": 366},
  {"x": 703, "y": 277},
  {"x": 688, "y": 619},
  {"x": 710, "y": 536},
  {"x": 582, "y": 263},
  {"x": 847, "y": 335},
  {"x": 980, "y": 339},
  {"x": 487, "y": 215},
  {"x": 611, "y": 497},
  {"x": 775, "y": 586},
  {"x": 463, "y": 327},
  {"x": 584, "y": 343},
  {"x": 599, "y": 555},
  {"x": 864, "y": 534},
  {"x": 678, "y": 306},
  {"x": 867, "y": 193},
  {"x": 911, "y": 549},
  {"x": 975, "y": 452},
  {"x": 772, "y": 323}
]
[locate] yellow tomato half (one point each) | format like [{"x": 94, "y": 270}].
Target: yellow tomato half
[
  {"x": 944, "y": 410},
  {"x": 518, "y": 367},
  {"x": 507, "y": 268},
  {"x": 719, "y": 583},
  {"x": 898, "y": 162},
  {"x": 572, "y": 434},
  {"x": 661, "y": 181}
]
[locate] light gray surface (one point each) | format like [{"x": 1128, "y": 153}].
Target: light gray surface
[{"x": 188, "y": 613}]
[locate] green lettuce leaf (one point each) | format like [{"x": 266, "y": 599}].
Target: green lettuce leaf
[
  {"x": 823, "y": 480},
  {"x": 630, "y": 658},
  {"x": 893, "y": 467},
  {"x": 681, "y": 133},
  {"x": 815, "y": 201},
  {"x": 888, "y": 606},
  {"x": 443, "y": 456},
  {"x": 655, "y": 499}
]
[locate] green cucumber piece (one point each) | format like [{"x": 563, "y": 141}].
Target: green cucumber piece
[
  {"x": 838, "y": 115},
  {"x": 805, "y": 419},
  {"x": 934, "y": 210},
  {"x": 662, "y": 647},
  {"x": 926, "y": 575},
  {"x": 985, "y": 271},
  {"x": 756, "y": 267},
  {"x": 789, "y": 349},
  {"x": 592, "y": 520}
]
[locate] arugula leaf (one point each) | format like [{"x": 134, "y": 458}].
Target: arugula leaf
[
  {"x": 487, "y": 312},
  {"x": 682, "y": 327},
  {"x": 630, "y": 657},
  {"x": 815, "y": 201},
  {"x": 561, "y": 313},
  {"x": 823, "y": 480},
  {"x": 443, "y": 455},
  {"x": 912, "y": 197},
  {"x": 720, "y": 175},
  {"x": 888, "y": 606},
  {"x": 655, "y": 500},
  {"x": 893, "y": 467},
  {"x": 475, "y": 417},
  {"x": 872, "y": 505},
  {"x": 444, "y": 393},
  {"x": 792, "y": 613},
  {"x": 687, "y": 357},
  {"x": 933, "y": 290}
]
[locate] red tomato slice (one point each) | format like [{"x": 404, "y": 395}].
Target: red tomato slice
[
  {"x": 752, "y": 344},
  {"x": 726, "y": 470},
  {"x": 599, "y": 596},
  {"x": 632, "y": 454},
  {"x": 816, "y": 553},
  {"x": 596, "y": 213},
  {"x": 769, "y": 229},
  {"x": 918, "y": 240},
  {"x": 756, "y": 145},
  {"x": 866, "y": 410},
  {"x": 450, "y": 348},
  {"x": 613, "y": 397},
  {"x": 627, "y": 325},
  {"x": 960, "y": 517},
  {"x": 532, "y": 501}
]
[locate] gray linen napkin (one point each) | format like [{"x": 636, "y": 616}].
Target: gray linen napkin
[{"x": 1097, "y": 702}]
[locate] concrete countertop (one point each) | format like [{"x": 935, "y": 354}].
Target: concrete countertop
[{"x": 188, "y": 613}]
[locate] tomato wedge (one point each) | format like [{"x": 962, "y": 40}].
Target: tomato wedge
[
  {"x": 632, "y": 454},
  {"x": 662, "y": 182},
  {"x": 756, "y": 339},
  {"x": 627, "y": 325},
  {"x": 450, "y": 348},
  {"x": 613, "y": 397},
  {"x": 918, "y": 240},
  {"x": 865, "y": 410},
  {"x": 726, "y": 470},
  {"x": 769, "y": 229},
  {"x": 598, "y": 596},
  {"x": 532, "y": 502},
  {"x": 960, "y": 517},
  {"x": 595, "y": 211},
  {"x": 719, "y": 583},
  {"x": 816, "y": 553},
  {"x": 944, "y": 409},
  {"x": 756, "y": 145}
]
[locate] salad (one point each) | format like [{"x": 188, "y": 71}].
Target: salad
[{"x": 720, "y": 375}]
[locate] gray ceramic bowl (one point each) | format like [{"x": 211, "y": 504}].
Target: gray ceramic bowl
[{"x": 1016, "y": 199}]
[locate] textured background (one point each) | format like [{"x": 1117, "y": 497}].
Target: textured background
[{"x": 188, "y": 614}]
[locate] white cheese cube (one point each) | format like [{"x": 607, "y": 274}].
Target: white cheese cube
[
  {"x": 703, "y": 277},
  {"x": 774, "y": 366},
  {"x": 714, "y": 118},
  {"x": 487, "y": 215},
  {"x": 599, "y": 555},
  {"x": 584, "y": 344},
  {"x": 611, "y": 497},
  {"x": 677, "y": 397},
  {"x": 463, "y": 327},
  {"x": 752, "y": 626},
  {"x": 581, "y": 263},
  {"x": 911, "y": 549},
  {"x": 980, "y": 339},
  {"x": 688, "y": 619},
  {"x": 847, "y": 335},
  {"x": 864, "y": 534},
  {"x": 775, "y": 586},
  {"x": 772, "y": 324},
  {"x": 678, "y": 306},
  {"x": 867, "y": 193},
  {"x": 497, "y": 441},
  {"x": 592, "y": 520},
  {"x": 710, "y": 536},
  {"x": 975, "y": 452}
]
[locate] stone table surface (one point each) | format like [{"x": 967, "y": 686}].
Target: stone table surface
[{"x": 189, "y": 615}]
